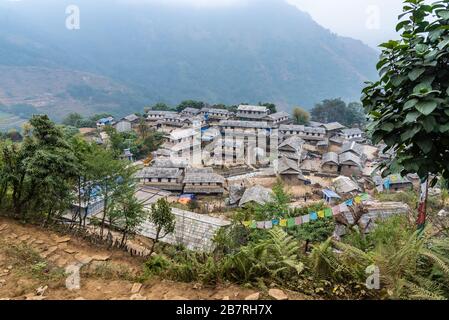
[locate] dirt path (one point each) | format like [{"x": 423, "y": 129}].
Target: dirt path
[{"x": 33, "y": 262}]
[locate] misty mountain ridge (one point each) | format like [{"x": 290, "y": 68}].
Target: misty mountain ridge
[{"x": 126, "y": 56}]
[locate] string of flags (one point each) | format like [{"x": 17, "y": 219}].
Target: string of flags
[{"x": 311, "y": 216}]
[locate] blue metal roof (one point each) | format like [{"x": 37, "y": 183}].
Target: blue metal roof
[{"x": 331, "y": 194}]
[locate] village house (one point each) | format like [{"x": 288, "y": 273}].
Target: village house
[
  {"x": 215, "y": 114},
  {"x": 292, "y": 148},
  {"x": 278, "y": 118},
  {"x": 203, "y": 181},
  {"x": 108, "y": 121},
  {"x": 345, "y": 186},
  {"x": 246, "y": 112},
  {"x": 169, "y": 179},
  {"x": 350, "y": 164},
  {"x": 330, "y": 197},
  {"x": 190, "y": 112},
  {"x": 330, "y": 163},
  {"x": 310, "y": 134},
  {"x": 323, "y": 146},
  {"x": 290, "y": 172},
  {"x": 396, "y": 182},
  {"x": 353, "y": 134},
  {"x": 352, "y": 147},
  {"x": 127, "y": 123},
  {"x": 238, "y": 127},
  {"x": 225, "y": 152},
  {"x": 256, "y": 195},
  {"x": 332, "y": 128},
  {"x": 155, "y": 115}
]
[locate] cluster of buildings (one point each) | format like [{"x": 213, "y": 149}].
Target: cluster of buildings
[
  {"x": 202, "y": 144},
  {"x": 206, "y": 151}
]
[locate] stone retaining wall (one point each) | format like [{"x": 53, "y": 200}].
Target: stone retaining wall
[{"x": 195, "y": 231}]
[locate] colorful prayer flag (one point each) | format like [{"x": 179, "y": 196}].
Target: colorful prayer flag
[
  {"x": 275, "y": 222},
  {"x": 313, "y": 216},
  {"x": 349, "y": 203},
  {"x": 298, "y": 221},
  {"x": 283, "y": 223},
  {"x": 358, "y": 200},
  {"x": 291, "y": 222},
  {"x": 336, "y": 210},
  {"x": 261, "y": 225},
  {"x": 305, "y": 218},
  {"x": 253, "y": 225},
  {"x": 328, "y": 212},
  {"x": 321, "y": 214},
  {"x": 247, "y": 223},
  {"x": 365, "y": 197},
  {"x": 268, "y": 224},
  {"x": 343, "y": 207}
]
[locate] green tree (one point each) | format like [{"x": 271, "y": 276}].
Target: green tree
[
  {"x": 159, "y": 107},
  {"x": 127, "y": 214},
  {"x": 190, "y": 104},
  {"x": 163, "y": 219},
  {"x": 301, "y": 116},
  {"x": 408, "y": 104},
  {"x": 336, "y": 110},
  {"x": 112, "y": 176},
  {"x": 271, "y": 106},
  {"x": 40, "y": 171},
  {"x": 73, "y": 119}
]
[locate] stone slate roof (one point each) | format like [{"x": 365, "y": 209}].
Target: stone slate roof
[
  {"x": 333, "y": 126},
  {"x": 244, "y": 124},
  {"x": 161, "y": 113},
  {"x": 330, "y": 157},
  {"x": 183, "y": 133},
  {"x": 202, "y": 176},
  {"x": 346, "y": 157},
  {"x": 278, "y": 115},
  {"x": 294, "y": 141},
  {"x": 344, "y": 185},
  {"x": 156, "y": 173},
  {"x": 191, "y": 110},
  {"x": 131, "y": 118},
  {"x": 352, "y": 147},
  {"x": 252, "y": 108},
  {"x": 257, "y": 194},
  {"x": 215, "y": 110},
  {"x": 287, "y": 166},
  {"x": 301, "y": 128},
  {"x": 352, "y": 131},
  {"x": 169, "y": 163}
]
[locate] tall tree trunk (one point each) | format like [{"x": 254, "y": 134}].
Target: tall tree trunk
[{"x": 155, "y": 241}]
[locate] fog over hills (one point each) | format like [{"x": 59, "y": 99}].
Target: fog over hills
[{"x": 130, "y": 53}]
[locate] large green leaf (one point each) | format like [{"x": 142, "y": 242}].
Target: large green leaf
[
  {"x": 444, "y": 128},
  {"x": 410, "y": 104},
  {"x": 410, "y": 133},
  {"x": 429, "y": 123},
  {"x": 443, "y": 44},
  {"x": 416, "y": 73},
  {"x": 412, "y": 116},
  {"x": 426, "y": 107},
  {"x": 425, "y": 145}
]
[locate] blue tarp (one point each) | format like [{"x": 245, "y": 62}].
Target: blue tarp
[{"x": 187, "y": 196}]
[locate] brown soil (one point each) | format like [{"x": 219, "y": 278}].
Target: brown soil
[{"x": 109, "y": 276}]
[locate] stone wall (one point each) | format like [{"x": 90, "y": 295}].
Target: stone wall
[
  {"x": 377, "y": 211},
  {"x": 195, "y": 231}
]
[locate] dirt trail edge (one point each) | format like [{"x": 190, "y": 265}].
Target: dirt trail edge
[{"x": 38, "y": 264}]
